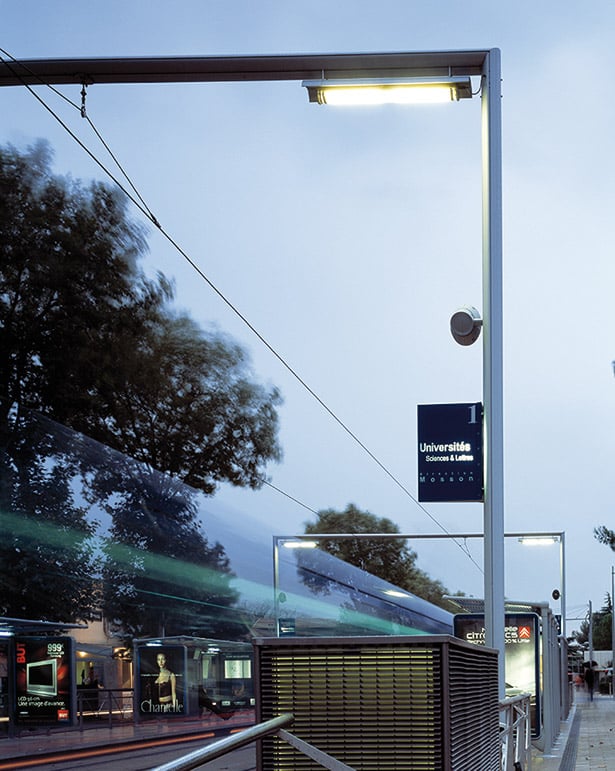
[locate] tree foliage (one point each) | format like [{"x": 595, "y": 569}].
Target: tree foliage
[
  {"x": 390, "y": 559},
  {"x": 606, "y": 536},
  {"x": 162, "y": 576},
  {"x": 601, "y": 628},
  {"x": 88, "y": 340},
  {"x": 47, "y": 553}
]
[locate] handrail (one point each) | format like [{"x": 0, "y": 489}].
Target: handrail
[
  {"x": 322, "y": 758},
  {"x": 515, "y": 732},
  {"x": 515, "y": 740},
  {"x": 229, "y": 743}
]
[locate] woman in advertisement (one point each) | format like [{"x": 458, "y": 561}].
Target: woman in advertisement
[
  {"x": 162, "y": 674},
  {"x": 166, "y": 683}
]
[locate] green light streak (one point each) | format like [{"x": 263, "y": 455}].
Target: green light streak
[{"x": 25, "y": 532}]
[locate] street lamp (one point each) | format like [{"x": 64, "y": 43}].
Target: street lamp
[
  {"x": 370, "y": 91},
  {"x": 288, "y": 542},
  {"x": 548, "y": 539},
  {"x": 338, "y": 90},
  {"x": 612, "y": 632}
]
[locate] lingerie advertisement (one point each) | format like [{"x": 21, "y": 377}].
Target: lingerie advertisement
[{"x": 161, "y": 680}]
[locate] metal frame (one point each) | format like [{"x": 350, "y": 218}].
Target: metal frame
[
  {"x": 210, "y": 69},
  {"x": 560, "y": 535},
  {"x": 482, "y": 63}
]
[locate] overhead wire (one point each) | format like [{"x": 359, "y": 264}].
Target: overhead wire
[{"x": 140, "y": 204}]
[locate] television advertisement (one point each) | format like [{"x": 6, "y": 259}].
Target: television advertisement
[{"x": 43, "y": 680}]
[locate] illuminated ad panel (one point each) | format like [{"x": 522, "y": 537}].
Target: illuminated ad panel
[
  {"x": 4, "y": 680},
  {"x": 450, "y": 452},
  {"x": 161, "y": 680},
  {"x": 521, "y": 653},
  {"x": 237, "y": 681},
  {"x": 43, "y": 679}
]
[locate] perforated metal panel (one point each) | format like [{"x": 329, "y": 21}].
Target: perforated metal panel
[
  {"x": 473, "y": 710},
  {"x": 380, "y": 703}
]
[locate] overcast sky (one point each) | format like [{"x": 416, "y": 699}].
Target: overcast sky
[{"x": 348, "y": 237}]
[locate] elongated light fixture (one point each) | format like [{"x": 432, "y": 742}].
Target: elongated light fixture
[
  {"x": 539, "y": 540},
  {"x": 374, "y": 91}
]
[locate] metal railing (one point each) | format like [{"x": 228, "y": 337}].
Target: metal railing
[
  {"x": 101, "y": 703},
  {"x": 516, "y": 733},
  {"x": 228, "y": 744},
  {"x": 515, "y": 737},
  {"x": 275, "y": 726}
]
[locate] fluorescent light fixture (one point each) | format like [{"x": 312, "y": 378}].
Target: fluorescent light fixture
[
  {"x": 539, "y": 540},
  {"x": 388, "y": 91},
  {"x": 300, "y": 544}
]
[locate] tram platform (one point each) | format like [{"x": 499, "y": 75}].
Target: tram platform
[
  {"x": 100, "y": 736},
  {"x": 587, "y": 739}
]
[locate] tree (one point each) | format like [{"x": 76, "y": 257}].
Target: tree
[
  {"x": 68, "y": 281},
  {"x": 390, "y": 559},
  {"x": 601, "y": 628},
  {"x": 183, "y": 403},
  {"x": 603, "y": 625},
  {"x": 87, "y": 340},
  {"x": 47, "y": 550},
  {"x": 162, "y": 576},
  {"x": 605, "y": 536}
]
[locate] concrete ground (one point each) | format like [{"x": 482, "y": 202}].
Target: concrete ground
[{"x": 586, "y": 741}]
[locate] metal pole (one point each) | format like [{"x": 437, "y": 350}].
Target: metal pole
[
  {"x": 591, "y": 634},
  {"x": 562, "y": 565},
  {"x": 493, "y": 358},
  {"x": 276, "y": 584},
  {"x": 612, "y": 632}
]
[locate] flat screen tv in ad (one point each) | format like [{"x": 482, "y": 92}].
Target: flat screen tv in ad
[
  {"x": 42, "y": 677},
  {"x": 237, "y": 668},
  {"x": 44, "y": 682}
]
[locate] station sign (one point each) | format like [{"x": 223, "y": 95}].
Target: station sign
[
  {"x": 286, "y": 627},
  {"x": 450, "y": 452}
]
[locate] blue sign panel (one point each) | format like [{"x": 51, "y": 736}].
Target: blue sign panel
[
  {"x": 286, "y": 627},
  {"x": 450, "y": 452}
]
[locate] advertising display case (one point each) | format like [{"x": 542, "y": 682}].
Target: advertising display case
[
  {"x": 160, "y": 682},
  {"x": 44, "y": 683},
  {"x": 522, "y": 660}
]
